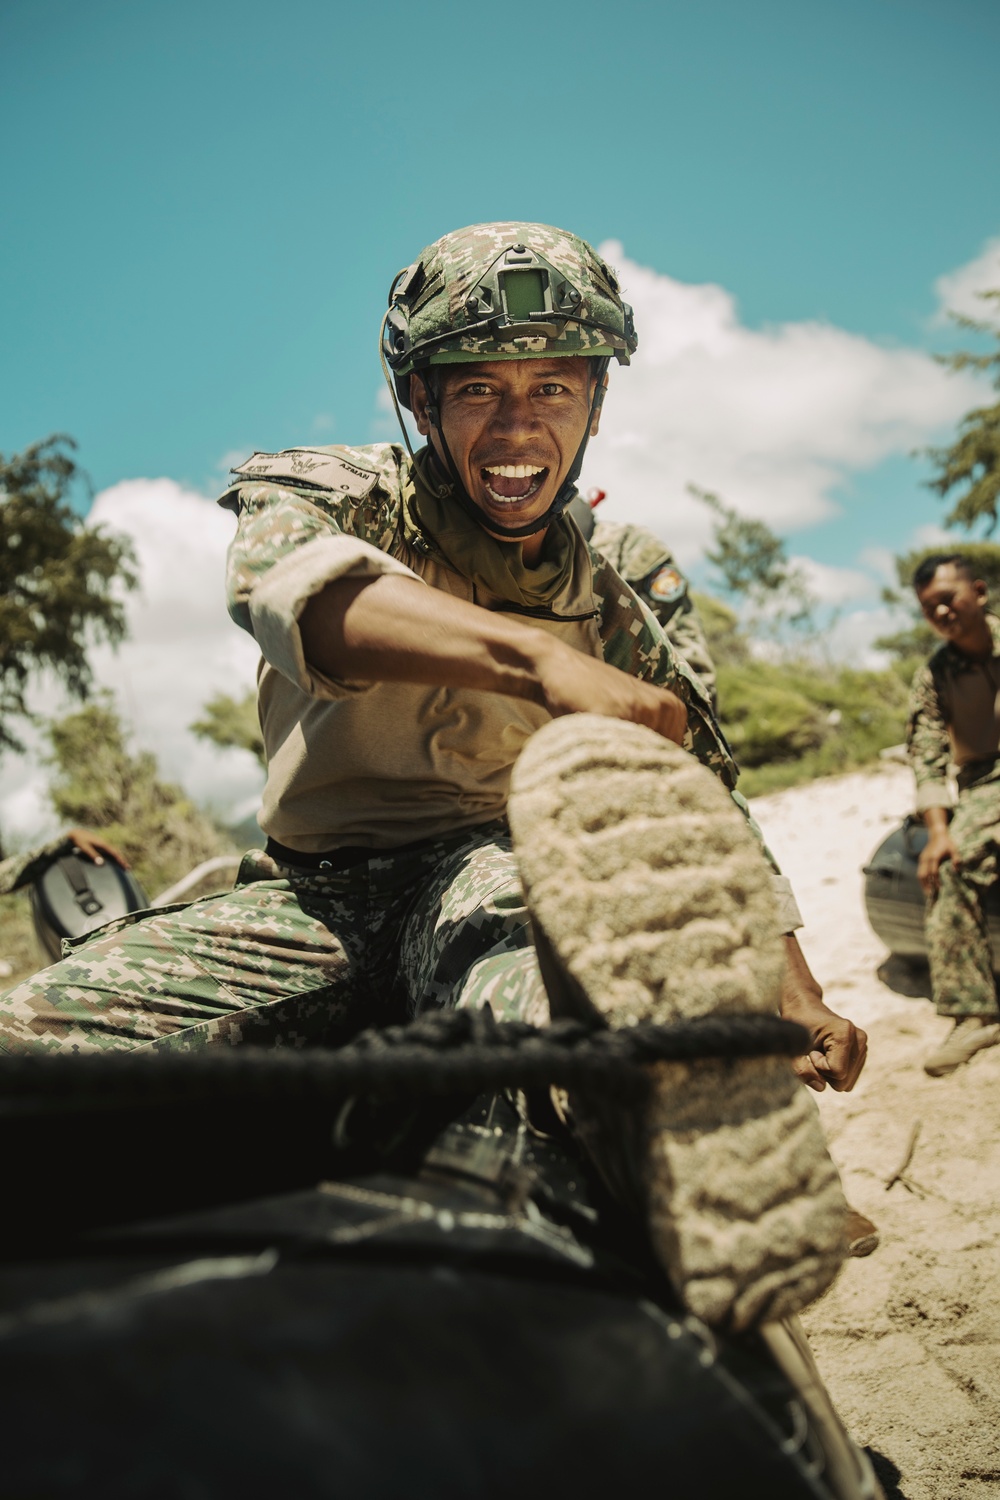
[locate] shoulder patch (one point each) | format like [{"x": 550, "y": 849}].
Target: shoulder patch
[
  {"x": 668, "y": 585},
  {"x": 308, "y": 466}
]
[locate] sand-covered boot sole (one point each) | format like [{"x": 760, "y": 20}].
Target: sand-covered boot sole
[{"x": 650, "y": 892}]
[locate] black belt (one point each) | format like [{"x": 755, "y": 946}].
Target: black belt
[
  {"x": 975, "y": 770},
  {"x": 357, "y": 854},
  {"x": 333, "y": 859}
]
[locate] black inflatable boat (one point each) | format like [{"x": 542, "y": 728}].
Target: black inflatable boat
[
  {"x": 895, "y": 901},
  {"x": 205, "y": 1296}
]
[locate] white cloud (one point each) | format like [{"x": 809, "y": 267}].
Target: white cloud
[
  {"x": 774, "y": 419},
  {"x": 852, "y": 636},
  {"x": 934, "y": 536},
  {"x": 831, "y": 585},
  {"x": 881, "y": 561},
  {"x": 959, "y": 291},
  {"x": 384, "y": 426},
  {"x": 183, "y": 648}
]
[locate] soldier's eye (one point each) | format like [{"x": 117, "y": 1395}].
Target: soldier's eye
[{"x": 552, "y": 388}]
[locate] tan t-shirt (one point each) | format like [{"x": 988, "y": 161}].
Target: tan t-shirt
[
  {"x": 954, "y": 717},
  {"x": 387, "y": 763}
]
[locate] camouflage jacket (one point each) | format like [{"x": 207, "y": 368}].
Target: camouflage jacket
[
  {"x": 649, "y": 567},
  {"x": 948, "y": 678},
  {"x": 22, "y": 869}
]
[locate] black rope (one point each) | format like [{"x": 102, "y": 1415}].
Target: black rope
[{"x": 445, "y": 1053}]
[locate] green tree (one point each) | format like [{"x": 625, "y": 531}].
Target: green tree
[
  {"x": 726, "y": 641},
  {"x": 754, "y": 569},
  {"x": 61, "y": 581},
  {"x": 971, "y": 464},
  {"x": 232, "y": 723},
  {"x": 100, "y": 781}
]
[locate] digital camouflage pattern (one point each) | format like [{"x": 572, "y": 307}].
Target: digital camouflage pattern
[
  {"x": 460, "y": 300},
  {"x": 297, "y": 958},
  {"x": 22, "y": 869},
  {"x": 648, "y": 565},
  {"x": 958, "y": 944},
  {"x": 927, "y": 738}
]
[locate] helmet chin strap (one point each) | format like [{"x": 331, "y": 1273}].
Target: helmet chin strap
[{"x": 457, "y": 491}]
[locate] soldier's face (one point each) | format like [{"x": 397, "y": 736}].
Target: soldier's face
[
  {"x": 513, "y": 428},
  {"x": 955, "y": 606}
]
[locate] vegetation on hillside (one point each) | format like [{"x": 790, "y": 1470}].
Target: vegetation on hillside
[
  {"x": 100, "y": 781},
  {"x": 789, "y": 716},
  {"x": 797, "y": 718}
]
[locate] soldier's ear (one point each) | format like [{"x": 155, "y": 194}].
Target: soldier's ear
[{"x": 596, "y": 423}]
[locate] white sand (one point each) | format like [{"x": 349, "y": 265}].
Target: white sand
[{"x": 909, "y": 1338}]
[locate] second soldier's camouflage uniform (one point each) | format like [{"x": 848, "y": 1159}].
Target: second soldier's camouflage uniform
[
  {"x": 648, "y": 565},
  {"x": 390, "y": 886},
  {"x": 955, "y": 719},
  {"x": 21, "y": 869}
]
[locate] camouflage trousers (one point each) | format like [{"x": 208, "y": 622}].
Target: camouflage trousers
[
  {"x": 958, "y": 944},
  {"x": 303, "y": 958}
]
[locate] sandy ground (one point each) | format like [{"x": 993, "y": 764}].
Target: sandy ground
[{"x": 909, "y": 1338}]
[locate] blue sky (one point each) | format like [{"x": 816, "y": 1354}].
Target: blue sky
[{"x": 204, "y": 203}]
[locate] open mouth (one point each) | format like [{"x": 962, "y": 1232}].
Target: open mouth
[{"x": 508, "y": 484}]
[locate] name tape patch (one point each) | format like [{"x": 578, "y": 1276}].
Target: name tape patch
[{"x": 327, "y": 471}]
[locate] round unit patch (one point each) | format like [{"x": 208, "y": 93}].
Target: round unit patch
[{"x": 667, "y": 584}]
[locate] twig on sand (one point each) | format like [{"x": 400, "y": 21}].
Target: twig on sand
[{"x": 900, "y": 1173}]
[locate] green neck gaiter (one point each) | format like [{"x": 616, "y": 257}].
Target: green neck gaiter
[{"x": 496, "y": 567}]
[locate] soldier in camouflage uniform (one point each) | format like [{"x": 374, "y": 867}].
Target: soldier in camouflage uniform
[
  {"x": 419, "y": 616},
  {"x": 647, "y": 564},
  {"x": 21, "y": 869},
  {"x": 955, "y": 719}
]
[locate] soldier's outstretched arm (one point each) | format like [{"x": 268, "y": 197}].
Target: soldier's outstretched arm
[{"x": 393, "y": 628}]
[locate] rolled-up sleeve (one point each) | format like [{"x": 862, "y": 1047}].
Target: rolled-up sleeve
[
  {"x": 287, "y": 549},
  {"x": 927, "y": 743}
]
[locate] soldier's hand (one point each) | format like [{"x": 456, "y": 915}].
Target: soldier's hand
[
  {"x": 839, "y": 1050},
  {"x": 939, "y": 847},
  {"x": 576, "y": 684},
  {"x": 92, "y": 846}
]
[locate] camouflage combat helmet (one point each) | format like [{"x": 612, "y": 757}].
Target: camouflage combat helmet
[{"x": 503, "y": 291}]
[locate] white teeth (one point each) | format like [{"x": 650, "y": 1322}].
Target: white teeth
[{"x": 514, "y": 471}]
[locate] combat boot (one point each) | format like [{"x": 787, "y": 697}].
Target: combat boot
[
  {"x": 652, "y": 900},
  {"x": 967, "y": 1037}
]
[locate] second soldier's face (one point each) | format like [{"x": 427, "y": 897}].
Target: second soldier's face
[
  {"x": 513, "y": 427},
  {"x": 954, "y": 606}
]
